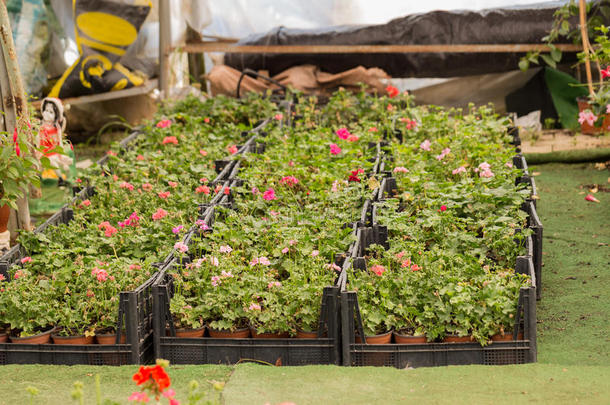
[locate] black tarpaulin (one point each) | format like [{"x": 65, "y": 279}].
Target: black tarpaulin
[{"x": 519, "y": 25}]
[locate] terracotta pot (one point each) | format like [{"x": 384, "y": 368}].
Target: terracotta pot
[
  {"x": 458, "y": 339},
  {"x": 507, "y": 337},
  {"x": 72, "y": 340},
  {"x": 302, "y": 334},
  {"x": 190, "y": 333},
  {"x": 269, "y": 335},
  {"x": 409, "y": 339},
  {"x": 5, "y": 211},
  {"x": 228, "y": 334},
  {"x": 41, "y": 338},
  {"x": 381, "y": 339},
  {"x": 109, "y": 339},
  {"x": 585, "y": 128},
  {"x": 3, "y": 337}
]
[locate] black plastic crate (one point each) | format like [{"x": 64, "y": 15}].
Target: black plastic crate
[
  {"x": 534, "y": 223},
  {"x": 206, "y": 350},
  {"x": 135, "y": 317},
  {"x": 443, "y": 354}
]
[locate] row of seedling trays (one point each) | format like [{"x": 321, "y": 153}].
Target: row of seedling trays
[{"x": 133, "y": 344}]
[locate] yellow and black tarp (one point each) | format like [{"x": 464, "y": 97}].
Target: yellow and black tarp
[{"x": 104, "y": 30}]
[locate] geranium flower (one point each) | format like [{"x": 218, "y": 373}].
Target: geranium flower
[
  {"x": 126, "y": 185},
  {"x": 411, "y": 124},
  {"x": 147, "y": 187},
  {"x": 203, "y": 152},
  {"x": 90, "y": 294},
  {"x": 214, "y": 261},
  {"x": 111, "y": 153},
  {"x": 26, "y": 259},
  {"x": 425, "y": 145},
  {"x": 459, "y": 170},
  {"x": 227, "y": 191},
  {"x": 352, "y": 138},
  {"x": 389, "y": 107},
  {"x": 401, "y": 169},
  {"x": 343, "y": 133},
  {"x": 400, "y": 254},
  {"x": 587, "y": 116},
  {"x": 206, "y": 120},
  {"x": 255, "y": 190},
  {"x": 203, "y": 180},
  {"x": 202, "y": 189},
  {"x": 164, "y": 194},
  {"x": 18, "y": 274},
  {"x": 135, "y": 267},
  {"x": 225, "y": 249},
  {"x": 332, "y": 266},
  {"x": 172, "y": 184},
  {"x": 444, "y": 153},
  {"x": 139, "y": 397},
  {"x": 215, "y": 281},
  {"x": 181, "y": 247},
  {"x": 285, "y": 250},
  {"x": 254, "y": 307},
  {"x": 177, "y": 229},
  {"x": 354, "y": 175},
  {"x": 605, "y": 72},
  {"x": 160, "y": 213},
  {"x": 170, "y": 139},
  {"x": 232, "y": 149},
  {"x": 140, "y": 157},
  {"x": 378, "y": 269},
  {"x": 315, "y": 253},
  {"x": 406, "y": 263},
  {"x": 392, "y": 91},
  {"x": 86, "y": 203},
  {"x": 278, "y": 116},
  {"x": 415, "y": 267},
  {"x": 443, "y": 208},
  {"x": 164, "y": 123},
  {"x": 509, "y": 165},
  {"x": 289, "y": 181},
  {"x": 269, "y": 194},
  {"x": 274, "y": 284},
  {"x": 373, "y": 129},
  {"x": 334, "y": 149},
  {"x": 15, "y": 135}
]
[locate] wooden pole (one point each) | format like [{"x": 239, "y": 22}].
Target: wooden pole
[
  {"x": 15, "y": 107},
  {"x": 585, "y": 43},
  {"x": 164, "y": 46}
]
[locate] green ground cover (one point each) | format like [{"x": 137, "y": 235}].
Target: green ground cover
[{"x": 573, "y": 335}]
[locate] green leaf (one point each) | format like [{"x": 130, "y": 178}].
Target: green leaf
[
  {"x": 548, "y": 60},
  {"x": 556, "y": 54}
]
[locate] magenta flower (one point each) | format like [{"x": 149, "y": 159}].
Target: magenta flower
[
  {"x": 334, "y": 149},
  {"x": 443, "y": 208},
  {"x": 177, "y": 229},
  {"x": 289, "y": 181},
  {"x": 343, "y": 133},
  {"x": 425, "y": 145},
  {"x": 269, "y": 194},
  {"x": 255, "y": 191}
]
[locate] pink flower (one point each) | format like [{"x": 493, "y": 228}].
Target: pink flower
[
  {"x": 590, "y": 197},
  {"x": 206, "y": 120},
  {"x": 274, "y": 213},
  {"x": 401, "y": 169},
  {"x": 100, "y": 274},
  {"x": 605, "y": 72},
  {"x": 218, "y": 188},
  {"x": 332, "y": 266},
  {"x": 443, "y": 208},
  {"x": 292, "y": 242},
  {"x": 335, "y": 186},
  {"x": 509, "y": 165},
  {"x": 274, "y": 284},
  {"x": 290, "y": 163},
  {"x": 399, "y": 255},
  {"x": 164, "y": 124},
  {"x": 202, "y": 189},
  {"x": 255, "y": 191},
  {"x": 392, "y": 91},
  {"x": 203, "y": 152},
  {"x": 126, "y": 185},
  {"x": 459, "y": 170},
  {"x": 373, "y": 129},
  {"x": 485, "y": 170},
  {"x": 160, "y": 213},
  {"x": 334, "y": 149},
  {"x": 269, "y": 194},
  {"x": 278, "y": 116},
  {"x": 135, "y": 267},
  {"x": 169, "y": 393},
  {"x": 588, "y": 117},
  {"x": 486, "y": 173},
  {"x": 139, "y": 396},
  {"x": 343, "y": 133},
  {"x": 259, "y": 260},
  {"x": 425, "y": 145},
  {"x": 2, "y": 278},
  {"x": 607, "y": 108},
  {"x": 164, "y": 194},
  {"x": 172, "y": 184},
  {"x": 226, "y": 249},
  {"x": 177, "y": 229},
  {"x": 109, "y": 230},
  {"x": 378, "y": 269},
  {"x": 181, "y": 247},
  {"x": 415, "y": 267},
  {"x": 406, "y": 263},
  {"x": 226, "y": 274},
  {"x": 78, "y": 180},
  {"x": 115, "y": 177},
  {"x": 86, "y": 203},
  {"x": 315, "y": 253},
  {"x": 18, "y": 274},
  {"x": 26, "y": 259},
  {"x": 285, "y": 250},
  {"x": 139, "y": 157},
  {"x": 289, "y": 181},
  {"x": 170, "y": 139},
  {"x": 411, "y": 124},
  {"x": 389, "y": 107},
  {"x": 352, "y": 138},
  {"x": 254, "y": 307},
  {"x": 444, "y": 153},
  {"x": 110, "y": 153},
  {"x": 232, "y": 149},
  {"x": 90, "y": 294},
  {"x": 214, "y": 261},
  {"x": 147, "y": 187},
  {"x": 216, "y": 281},
  {"x": 226, "y": 190}
]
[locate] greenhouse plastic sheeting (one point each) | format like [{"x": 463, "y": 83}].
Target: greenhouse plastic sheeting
[{"x": 519, "y": 25}]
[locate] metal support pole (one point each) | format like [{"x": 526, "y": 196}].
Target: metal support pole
[{"x": 164, "y": 47}]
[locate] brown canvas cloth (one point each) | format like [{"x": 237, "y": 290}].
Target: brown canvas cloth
[{"x": 307, "y": 78}]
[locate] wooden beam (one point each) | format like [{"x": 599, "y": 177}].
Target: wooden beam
[
  {"x": 196, "y": 47},
  {"x": 164, "y": 46}
]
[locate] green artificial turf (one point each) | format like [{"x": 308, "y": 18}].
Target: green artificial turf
[{"x": 573, "y": 336}]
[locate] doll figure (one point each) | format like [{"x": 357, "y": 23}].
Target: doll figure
[{"x": 51, "y": 136}]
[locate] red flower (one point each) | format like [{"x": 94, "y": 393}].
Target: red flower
[
  {"x": 443, "y": 208},
  {"x": 142, "y": 375},
  {"x": 606, "y": 72},
  {"x": 392, "y": 91}
]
